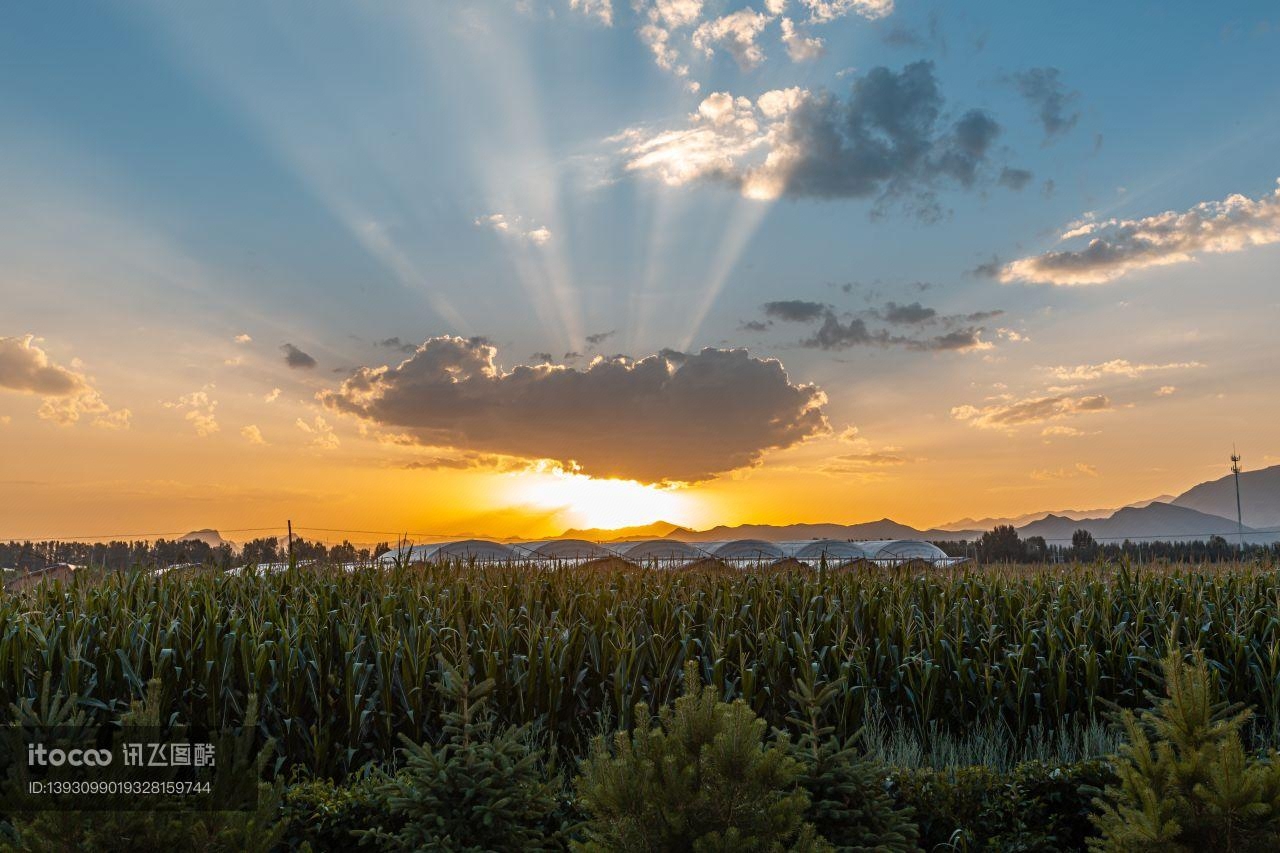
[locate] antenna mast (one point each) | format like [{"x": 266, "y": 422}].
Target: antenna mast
[{"x": 1235, "y": 469}]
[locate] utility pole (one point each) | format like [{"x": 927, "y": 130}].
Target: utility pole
[
  {"x": 1235, "y": 469},
  {"x": 289, "y": 522}
]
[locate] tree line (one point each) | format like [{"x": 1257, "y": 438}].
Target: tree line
[
  {"x": 28, "y": 556},
  {"x": 1003, "y": 545}
]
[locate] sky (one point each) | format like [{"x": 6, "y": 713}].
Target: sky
[{"x": 506, "y": 268}]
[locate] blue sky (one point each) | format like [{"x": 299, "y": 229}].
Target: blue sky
[{"x": 338, "y": 175}]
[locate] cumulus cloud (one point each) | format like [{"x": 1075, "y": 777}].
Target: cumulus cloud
[
  {"x": 243, "y": 338},
  {"x": 199, "y": 410},
  {"x": 1166, "y": 390},
  {"x": 252, "y": 434},
  {"x": 1043, "y": 89},
  {"x": 1115, "y": 367},
  {"x": 320, "y": 433},
  {"x": 601, "y": 10},
  {"x": 1009, "y": 414},
  {"x": 296, "y": 358},
  {"x": 666, "y": 417},
  {"x": 825, "y": 11},
  {"x": 271, "y": 396},
  {"x": 800, "y": 46},
  {"x": 887, "y": 140},
  {"x": 736, "y": 34},
  {"x": 1117, "y": 247},
  {"x": 515, "y": 227},
  {"x": 68, "y": 394}
]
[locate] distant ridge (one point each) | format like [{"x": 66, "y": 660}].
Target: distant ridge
[
  {"x": 655, "y": 530},
  {"x": 1259, "y": 497},
  {"x": 885, "y": 528},
  {"x": 1157, "y": 521},
  {"x": 1028, "y": 517},
  {"x": 209, "y": 536}
]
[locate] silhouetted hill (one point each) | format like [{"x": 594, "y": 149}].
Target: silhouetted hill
[
  {"x": 209, "y": 536},
  {"x": 1025, "y": 518},
  {"x": 1259, "y": 497},
  {"x": 655, "y": 530},
  {"x": 1157, "y": 521},
  {"x": 885, "y": 528}
]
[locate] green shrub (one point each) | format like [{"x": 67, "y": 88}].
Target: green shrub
[
  {"x": 702, "y": 779},
  {"x": 326, "y": 816},
  {"x": 849, "y": 804},
  {"x": 481, "y": 789},
  {"x": 1185, "y": 780},
  {"x": 1035, "y": 807}
]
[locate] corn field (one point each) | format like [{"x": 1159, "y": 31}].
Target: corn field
[{"x": 342, "y": 663}]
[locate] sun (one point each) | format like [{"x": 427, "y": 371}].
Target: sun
[{"x": 606, "y": 503}]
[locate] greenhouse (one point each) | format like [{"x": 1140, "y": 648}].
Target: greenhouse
[
  {"x": 747, "y": 551},
  {"x": 562, "y": 550}
]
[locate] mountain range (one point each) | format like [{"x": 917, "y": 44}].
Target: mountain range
[{"x": 1205, "y": 510}]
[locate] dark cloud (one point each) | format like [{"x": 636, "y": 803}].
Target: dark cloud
[
  {"x": 835, "y": 335},
  {"x": 958, "y": 339},
  {"x": 871, "y": 459},
  {"x": 542, "y": 358},
  {"x": 891, "y": 139},
  {"x": 600, "y": 337},
  {"x": 795, "y": 310},
  {"x": 888, "y": 138},
  {"x": 987, "y": 269},
  {"x": 754, "y": 325},
  {"x": 1047, "y": 188},
  {"x": 296, "y": 358},
  {"x": 572, "y": 356},
  {"x": 1014, "y": 179},
  {"x": 396, "y": 344},
  {"x": 667, "y": 417},
  {"x": 979, "y": 316},
  {"x": 1053, "y": 101},
  {"x": 906, "y": 314}
]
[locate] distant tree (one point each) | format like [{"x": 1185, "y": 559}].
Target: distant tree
[
  {"x": 1002, "y": 545},
  {"x": 344, "y": 553},
  {"x": 1082, "y": 541},
  {"x": 381, "y": 548},
  {"x": 1037, "y": 549},
  {"x": 262, "y": 551}
]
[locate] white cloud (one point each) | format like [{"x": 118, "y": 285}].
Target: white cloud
[
  {"x": 1117, "y": 247},
  {"x": 271, "y": 396},
  {"x": 516, "y": 227},
  {"x": 322, "y": 435},
  {"x": 243, "y": 338},
  {"x": 735, "y": 33},
  {"x": 1166, "y": 390},
  {"x": 199, "y": 410},
  {"x": 676, "y": 13},
  {"x": 1031, "y": 410},
  {"x": 825, "y": 11},
  {"x": 68, "y": 393},
  {"x": 1115, "y": 367},
  {"x": 1080, "y": 469},
  {"x": 252, "y": 434},
  {"x": 800, "y": 47},
  {"x": 601, "y": 10}
]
